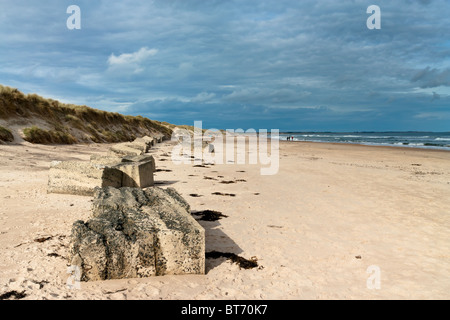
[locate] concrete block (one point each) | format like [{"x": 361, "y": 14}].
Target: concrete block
[
  {"x": 137, "y": 174},
  {"x": 124, "y": 149},
  {"x": 137, "y": 233},
  {"x": 81, "y": 178}
]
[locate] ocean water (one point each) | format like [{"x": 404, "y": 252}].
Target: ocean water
[{"x": 428, "y": 140}]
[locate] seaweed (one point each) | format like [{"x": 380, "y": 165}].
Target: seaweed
[
  {"x": 227, "y": 181},
  {"x": 55, "y": 255},
  {"x": 232, "y": 181},
  {"x": 195, "y": 195},
  {"x": 224, "y": 194},
  {"x": 43, "y": 239},
  {"x": 209, "y": 215},
  {"x": 16, "y": 295},
  {"x": 240, "y": 261},
  {"x": 40, "y": 283}
]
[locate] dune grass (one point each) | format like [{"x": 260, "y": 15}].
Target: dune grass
[
  {"x": 38, "y": 135},
  {"x": 66, "y": 119},
  {"x": 6, "y": 135}
]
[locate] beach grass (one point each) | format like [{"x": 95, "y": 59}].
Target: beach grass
[
  {"x": 38, "y": 135},
  {"x": 6, "y": 135},
  {"x": 69, "y": 123}
]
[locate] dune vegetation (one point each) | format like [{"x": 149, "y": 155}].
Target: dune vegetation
[
  {"x": 47, "y": 121},
  {"x": 6, "y": 135}
]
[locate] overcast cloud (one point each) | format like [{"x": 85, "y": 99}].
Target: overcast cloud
[{"x": 291, "y": 65}]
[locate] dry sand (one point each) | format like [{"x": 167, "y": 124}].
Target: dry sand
[{"x": 330, "y": 213}]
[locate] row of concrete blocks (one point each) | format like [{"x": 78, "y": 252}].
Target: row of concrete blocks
[
  {"x": 133, "y": 231},
  {"x": 125, "y": 165}
]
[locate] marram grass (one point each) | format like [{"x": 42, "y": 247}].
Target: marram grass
[{"x": 70, "y": 123}]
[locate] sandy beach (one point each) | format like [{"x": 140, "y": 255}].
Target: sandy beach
[{"x": 318, "y": 228}]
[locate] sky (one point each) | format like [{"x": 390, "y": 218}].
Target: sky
[{"x": 291, "y": 65}]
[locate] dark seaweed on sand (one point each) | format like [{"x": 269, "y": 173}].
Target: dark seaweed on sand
[
  {"x": 227, "y": 181},
  {"x": 43, "y": 239},
  {"x": 242, "y": 262},
  {"x": 223, "y": 194},
  {"x": 209, "y": 215},
  {"x": 16, "y": 295},
  {"x": 232, "y": 181}
]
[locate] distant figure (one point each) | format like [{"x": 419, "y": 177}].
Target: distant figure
[
  {"x": 292, "y": 138},
  {"x": 288, "y": 138}
]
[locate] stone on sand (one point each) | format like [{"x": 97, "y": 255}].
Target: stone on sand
[
  {"x": 125, "y": 149},
  {"x": 134, "y": 233},
  {"x": 137, "y": 171},
  {"x": 80, "y": 178},
  {"x": 137, "y": 147}
]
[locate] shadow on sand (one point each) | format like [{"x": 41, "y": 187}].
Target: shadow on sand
[{"x": 220, "y": 247}]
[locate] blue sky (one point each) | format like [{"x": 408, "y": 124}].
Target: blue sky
[{"x": 288, "y": 65}]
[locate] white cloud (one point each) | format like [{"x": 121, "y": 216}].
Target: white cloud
[
  {"x": 438, "y": 115},
  {"x": 203, "y": 97},
  {"x": 131, "y": 58},
  {"x": 130, "y": 62}
]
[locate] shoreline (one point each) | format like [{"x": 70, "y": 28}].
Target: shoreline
[{"x": 372, "y": 145}]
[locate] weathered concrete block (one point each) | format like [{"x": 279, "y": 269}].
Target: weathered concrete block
[
  {"x": 137, "y": 233},
  {"x": 124, "y": 149},
  {"x": 149, "y": 140},
  {"x": 106, "y": 160},
  {"x": 137, "y": 171},
  {"x": 139, "y": 145},
  {"x": 141, "y": 158},
  {"x": 81, "y": 178},
  {"x": 146, "y": 141},
  {"x": 159, "y": 138}
]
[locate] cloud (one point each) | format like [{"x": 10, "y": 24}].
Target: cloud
[
  {"x": 130, "y": 58},
  {"x": 131, "y": 61},
  {"x": 265, "y": 60},
  {"x": 203, "y": 97},
  {"x": 436, "y": 96},
  {"x": 431, "y": 78},
  {"x": 267, "y": 96},
  {"x": 438, "y": 115}
]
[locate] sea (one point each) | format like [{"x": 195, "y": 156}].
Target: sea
[{"x": 426, "y": 140}]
